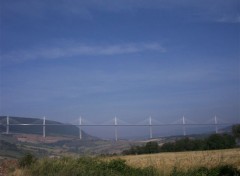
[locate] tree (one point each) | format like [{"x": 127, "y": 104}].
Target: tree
[
  {"x": 236, "y": 130},
  {"x": 152, "y": 147},
  {"x": 168, "y": 147},
  {"x": 218, "y": 141}
]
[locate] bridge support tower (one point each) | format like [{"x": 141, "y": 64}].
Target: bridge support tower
[
  {"x": 80, "y": 128},
  {"x": 116, "y": 132},
  {"x": 7, "y": 127},
  {"x": 216, "y": 124},
  {"x": 184, "y": 126},
  {"x": 150, "y": 127},
  {"x": 44, "y": 127}
]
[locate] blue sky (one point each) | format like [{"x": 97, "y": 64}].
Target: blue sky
[{"x": 129, "y": 58}]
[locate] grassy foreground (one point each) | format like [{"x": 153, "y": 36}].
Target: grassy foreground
[
  {"x": 84, "y": 166},
  {"x": 204, "y": 163}
]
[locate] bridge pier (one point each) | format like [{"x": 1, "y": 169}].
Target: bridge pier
[
  {"x": 116, "y": 132},
  {"x": 44, "y": 125},
  {"x": 150, "y": 127},
  {"x": 216, "y": 124},
  {"x": 80, "y": 128},
  {"x": 7, "y": 127},
  {"x": 184, "y": 127}
]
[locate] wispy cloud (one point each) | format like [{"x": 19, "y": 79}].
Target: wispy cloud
[
  {"x": 229, "y": 19},
  {"x": 57, "y": 52},
  {"x": 86, "y": 8}
]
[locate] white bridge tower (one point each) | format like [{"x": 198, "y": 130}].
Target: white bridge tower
[
  {"x": 150, "y": 127},
  {"x": 115, "y": 124},
  {"x": 7, "y": 127},
  {"x": 80, "y": 127},
  {"x": 44, "y": 127},
  {"x": 184, "y": 127}
]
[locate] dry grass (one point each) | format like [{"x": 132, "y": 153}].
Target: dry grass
[
  {"x": 18, "y": 172},
  {"x": 165, "y": 162}
]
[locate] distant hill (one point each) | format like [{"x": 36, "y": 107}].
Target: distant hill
[{"x": 60, "y": 130}]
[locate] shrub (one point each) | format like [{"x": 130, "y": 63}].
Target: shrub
[
  {"x": 236, "y": 130},
  {"x": 27, "y": 160},
  {"x": 220, "y": 141},
  {"x": 86, "y": 166},
  {"x": 225, "y": 170},
  {"x": 152, "y": 147},
  {"x": 118, "y": 165}
]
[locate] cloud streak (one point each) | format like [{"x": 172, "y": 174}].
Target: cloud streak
[
  {"x": 58, "y": 52},
  {"x": 229, "y": 19},
  {"x": 85, "y": 9}
]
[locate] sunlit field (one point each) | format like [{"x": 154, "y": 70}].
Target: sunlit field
[
  {"x": 165, "y": 162},
  {"x": 212, "y": 163}
]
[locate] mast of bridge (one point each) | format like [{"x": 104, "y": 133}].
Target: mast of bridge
[
  {"x": 44, "y": 125},
  {"x": 80, "y": 127},
  {"x": 150, "y": 127},
  {"x": 115, "y": 124},
  {"x": 216, "y": 124},
  {"x": 7, "y": 127},
  {"x": 184, "y": 127}
]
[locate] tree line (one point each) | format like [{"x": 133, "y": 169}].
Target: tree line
[{"x": 214, "y": 141}]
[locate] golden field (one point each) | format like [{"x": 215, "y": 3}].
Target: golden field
[{"x": 165, "y": 162}]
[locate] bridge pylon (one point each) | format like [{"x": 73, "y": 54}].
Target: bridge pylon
[
  {"x": 80, "y": 127},
  {"x": 7, "y": 127},
  {"x": 44, "y": 127},
  {"x": 216, "y": 124},
  {"x": 150, "y": 127},
  {"x": 115, "y": 125},
  {"x": 184, "y": 126}
]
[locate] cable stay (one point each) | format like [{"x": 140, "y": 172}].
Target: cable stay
[
  {"x": 108, "y": 122},
  {"x": 143, "y": 122},
  {"x": 85, "y": 121},
  {"x": 121, "y": 122},
  {"x": 177, "y": 122},
  {"x": 156, "y": 122},
  {"x": 217, "y": 120},
  {"x": 188, "y": 121},
  {"x": 221, "y": 121}
]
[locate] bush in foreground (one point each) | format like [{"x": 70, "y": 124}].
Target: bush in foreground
[
  {"x": 84, "y": 167},
  {"x": 27, "y": 160},
  {"x": 225, "y": 170}
]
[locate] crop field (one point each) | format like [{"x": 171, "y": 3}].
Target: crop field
[
  {"x": 161, "y": 164},
  {"x": 165, "y": 162}
]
